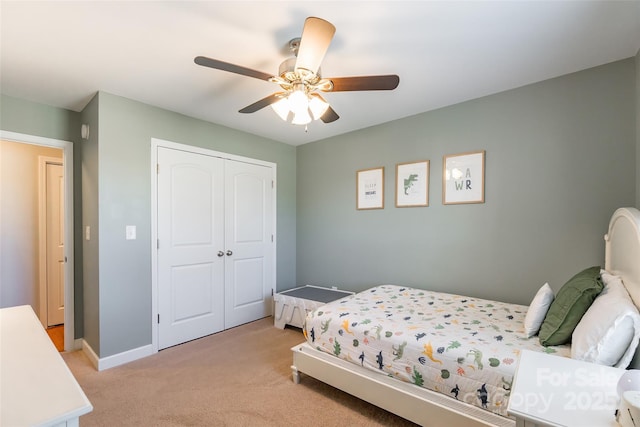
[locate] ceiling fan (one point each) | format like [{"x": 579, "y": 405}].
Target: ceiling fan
[{"x": 299, "y": 77}]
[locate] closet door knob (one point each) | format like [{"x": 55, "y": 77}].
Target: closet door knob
[
  {"x": 229, "y": 253},
  {"x": 220, "y": 253}
]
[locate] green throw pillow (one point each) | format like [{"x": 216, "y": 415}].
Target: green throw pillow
[{"x": 570, "y": 304}]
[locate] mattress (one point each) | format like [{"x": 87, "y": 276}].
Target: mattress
[{"x": 460, "y": 346}]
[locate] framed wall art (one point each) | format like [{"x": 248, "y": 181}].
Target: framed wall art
[
  {"x": 463, "y": 178},
  {"x": 412, "y": 184},
  {"x": 370, "y": 188}
]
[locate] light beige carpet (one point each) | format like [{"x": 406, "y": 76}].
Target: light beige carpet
[{"x": 239, "y": 377}]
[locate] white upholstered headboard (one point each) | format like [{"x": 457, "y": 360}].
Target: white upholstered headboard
[
  {"x": 622, "y": 255},
  {"x": 622, "y": 249}
]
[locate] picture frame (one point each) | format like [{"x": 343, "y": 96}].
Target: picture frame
[
  {"x": 463, "y": 178},
  {"x": 412, "y": 184},
  {"x": 370, "y": 188}
]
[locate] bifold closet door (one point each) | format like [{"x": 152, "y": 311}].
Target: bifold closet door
[{"x": 190, "y": 240}]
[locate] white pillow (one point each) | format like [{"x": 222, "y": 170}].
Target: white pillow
[
  {"x": 609, "y": 331},
  {"x": 538, "y": 310}
]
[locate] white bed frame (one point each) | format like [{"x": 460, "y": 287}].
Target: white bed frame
[{"x": 428, "y": 408}]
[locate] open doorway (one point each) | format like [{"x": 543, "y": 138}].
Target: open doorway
[{"x": 31, "y": 255}]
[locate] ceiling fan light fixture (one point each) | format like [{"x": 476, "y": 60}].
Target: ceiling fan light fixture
[
  {"x": 299, "y": 107},
  {"x": 317, "y": 106},
  {"x": 301, "y": 118},
  {"x": 282, "y": 108},
  {"x": 299, "y": 101}
]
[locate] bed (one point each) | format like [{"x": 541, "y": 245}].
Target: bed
[{"x": 437, "y": 358}]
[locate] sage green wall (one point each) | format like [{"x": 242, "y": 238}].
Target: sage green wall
[
  {"x": 126, "y": 128},
  {"x": 19, "y": 115},
  {"x": 560, "y": 158},
  {"x": 638, "y": 129},
  {"x": 22, "y": 116},
  {"x": 89, "y": 218}
]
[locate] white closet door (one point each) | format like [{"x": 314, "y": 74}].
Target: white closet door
[
  {"x": 248, "y": 242},
  {"x": 55, "y": 243},
  {"x": 190, "y": 241}
]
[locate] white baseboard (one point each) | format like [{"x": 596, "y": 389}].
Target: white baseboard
[
  {"x": 93, "y": 358},
  {"x": 117, "y": 359}
]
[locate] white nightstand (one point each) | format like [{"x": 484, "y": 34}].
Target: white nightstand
[{"x": 558, "y": 391}]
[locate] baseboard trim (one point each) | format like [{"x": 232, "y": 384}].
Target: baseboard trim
[
  {"x": 77, "y": 344},
  {"x": 93, "y": 358},
  {"x": 117, "y": 359}
]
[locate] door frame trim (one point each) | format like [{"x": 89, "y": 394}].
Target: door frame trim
[
  {"x": 67, "y": 162},
  {"x": 43, "y": 280},
  {"x": 160, "y": 143}
]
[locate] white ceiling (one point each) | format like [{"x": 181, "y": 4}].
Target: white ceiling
[{"x": 61, "y": 53}]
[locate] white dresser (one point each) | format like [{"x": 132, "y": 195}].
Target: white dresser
[{"x": 36, "y": 386}]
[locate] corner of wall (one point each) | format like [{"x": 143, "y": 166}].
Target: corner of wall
[{"x": 117, "y": 359}]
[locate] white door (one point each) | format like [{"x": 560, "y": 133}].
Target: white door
[
  {"x": 249, "y": 242},
  {"x": 55, "y": 243},
  {"x": 190, "y": 240}
]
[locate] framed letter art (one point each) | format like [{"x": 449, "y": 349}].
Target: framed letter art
[
  {"x": 463, "y": 178},
  {"x": 370, "y": 188},
  {"x": 412, "y": 184}
]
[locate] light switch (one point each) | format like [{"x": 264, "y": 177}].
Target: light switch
[
  {"x": 131, "y": 232},
  {"x": 87, "y": 232}
]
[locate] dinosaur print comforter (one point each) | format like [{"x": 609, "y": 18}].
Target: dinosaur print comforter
[{"x": 464, "y": 347}]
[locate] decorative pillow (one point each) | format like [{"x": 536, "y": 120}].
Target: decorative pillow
[
  {"x": 570, "y": 304},
  {"x": 609, "y": 331},
  {"x": 538, "y": 310}
]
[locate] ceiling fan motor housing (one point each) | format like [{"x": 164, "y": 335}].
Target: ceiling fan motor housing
[{"x": 288, "y": 72}]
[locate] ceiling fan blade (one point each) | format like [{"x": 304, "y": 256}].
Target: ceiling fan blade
[
  {"x": 382, "y": 82},
  {"x": 316, "y": 38},
  {"x": 232, "y": 68},
  {"x": 330, "y": 115},
  {"x": 264, "y": 102}
]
